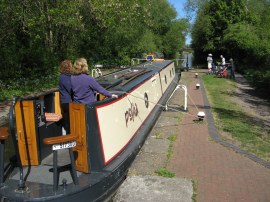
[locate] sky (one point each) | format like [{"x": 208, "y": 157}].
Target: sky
[{"x": 179, "y": 6}]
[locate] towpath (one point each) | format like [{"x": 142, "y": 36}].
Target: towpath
[{"x": 223, "y": 172}]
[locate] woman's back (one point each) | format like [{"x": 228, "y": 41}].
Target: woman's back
[{"x": 84, "y": 88}]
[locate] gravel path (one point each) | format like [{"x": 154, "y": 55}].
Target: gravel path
[{"x": 255, "y": 106}]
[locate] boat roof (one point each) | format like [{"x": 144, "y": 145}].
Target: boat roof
[{"x": 127, "y": 79}]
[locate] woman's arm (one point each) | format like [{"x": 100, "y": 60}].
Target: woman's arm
[{"x": 97, "y": 87}]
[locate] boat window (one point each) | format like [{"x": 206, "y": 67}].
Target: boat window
[
  {"x": 146, "y": 101},
  {"x": 165, "y": 79},
  {"x": 49, "y": 103}
]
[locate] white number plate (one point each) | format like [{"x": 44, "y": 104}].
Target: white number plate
[{"x": 64, "y": 145}]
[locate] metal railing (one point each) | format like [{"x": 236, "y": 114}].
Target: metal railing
[
  {"x": 96, "y": 72},
  {"x": 185, "y": 98}
]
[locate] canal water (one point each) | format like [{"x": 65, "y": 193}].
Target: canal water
[{"x": 187, "y": 60}]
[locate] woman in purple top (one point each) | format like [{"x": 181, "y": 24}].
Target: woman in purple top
[
  {"x": 65, "y": 90},
  {"x": 84, "y": 86}
]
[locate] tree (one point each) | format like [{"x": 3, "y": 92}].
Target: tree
[
  {"x": 40, "y": 34},
  {"x": 36, "y": 35},
  {"x": 213, "y": 22},
  {"x": 175, "y": 37}
]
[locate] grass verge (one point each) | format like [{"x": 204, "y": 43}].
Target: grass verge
[{"x": 232, "y": 119}]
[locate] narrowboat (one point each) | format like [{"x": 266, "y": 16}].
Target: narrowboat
[{"x": 90, "y": 163}]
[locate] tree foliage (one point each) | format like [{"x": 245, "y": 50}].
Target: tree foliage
[
  {"x": 237, "y": 29},
  {"x": 36, "y": 35}
]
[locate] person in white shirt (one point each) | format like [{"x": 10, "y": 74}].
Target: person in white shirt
[
  {"x": 209, "y": 62},
  {"x": 223, "y": 62}
]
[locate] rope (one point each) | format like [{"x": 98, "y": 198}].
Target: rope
[
  {"x": 155, "y": 103},
  {"x": 164, "y": 105},
  {"x": 185, "y": 85}
]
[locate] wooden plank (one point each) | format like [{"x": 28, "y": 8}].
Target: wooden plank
[
  {"x": 57, "y": 106},
  {"x": 4, "y": 133},
  {"x": 78, "y": 129},
  {"x": 25, "y": 123}
]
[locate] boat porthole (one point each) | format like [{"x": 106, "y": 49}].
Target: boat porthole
[
  {"x": 165, "y": 79},
  {"x": 146, "y": 101}
]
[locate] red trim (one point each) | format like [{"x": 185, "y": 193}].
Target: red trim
[
  {"x": 102, "y": 148},
  {"x": 126, "y": 94}
]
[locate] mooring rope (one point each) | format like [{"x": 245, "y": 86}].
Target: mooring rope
[
  {"x": 185, "y": 85},
  {"x": 155, "y": 103}
]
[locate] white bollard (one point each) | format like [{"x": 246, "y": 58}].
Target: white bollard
[
  {"x": 197, "y": 86},
  {"x": 201, "y": 116}
]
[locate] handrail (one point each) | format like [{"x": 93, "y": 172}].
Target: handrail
[
  {"x": 96, "y": 72},
  {"x": 138, "y": 59},
  {"x": 176, "y": 61},
  {"x": 59, "y": 139},
  {"x": 12, "y": 130},
  {"x": 185, "y": 98}
]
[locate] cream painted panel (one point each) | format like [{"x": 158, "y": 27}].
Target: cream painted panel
[
  {"x": 122, "y": 119},
  {"x": 169, "y": 75}
]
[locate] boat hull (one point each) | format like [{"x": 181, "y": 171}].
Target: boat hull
[{"x": 131, "y": 120}]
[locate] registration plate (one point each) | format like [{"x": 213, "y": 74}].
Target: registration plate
[{"x": 64, "y": 145}]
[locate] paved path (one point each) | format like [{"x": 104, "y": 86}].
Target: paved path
[{"x": 221, "y": 173}]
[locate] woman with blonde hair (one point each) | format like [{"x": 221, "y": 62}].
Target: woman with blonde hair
[
  {"x": 80, "y": 66},
  {"x": 85, "y": 86}
]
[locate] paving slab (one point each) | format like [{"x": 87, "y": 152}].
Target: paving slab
[
  {"x": 155, "y": 188},
  {"x": 147, "y": 164}
]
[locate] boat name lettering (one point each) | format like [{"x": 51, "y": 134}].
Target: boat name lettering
[{"x": 131, "y": 113}]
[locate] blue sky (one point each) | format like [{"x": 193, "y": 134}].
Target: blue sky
[{"x": 179, "y": 6}]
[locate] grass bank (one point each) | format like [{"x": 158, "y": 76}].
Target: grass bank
[{"x": 232, "y": 120}]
